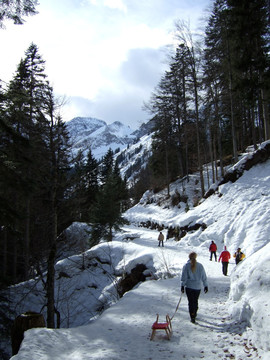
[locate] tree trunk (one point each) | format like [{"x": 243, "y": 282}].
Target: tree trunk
[
  {"x": 167, "y": 170},
  {"x": 14, "y": 260},
  {"x": 4, "y": 252},
  {"x": 27, "y": 239},
  {"x": 53, "y": 233},
  {"x": 198, "y": 133},
  {"x": 235, "y": 154},
  {"x": 220, "y": 150},
  {"x": 265, "y": 116},
  {"x": 22, "y": 323},
  {"x": 50, "y": 287}
]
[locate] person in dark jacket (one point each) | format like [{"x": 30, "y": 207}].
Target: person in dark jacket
[
  {"x": 193, "y": 276},
  {"x": 161, "y": 239},
  {"x": 225, "y": 258},
  {"x": 239, "y": 256},
  {"x": 213, "y": 250}
]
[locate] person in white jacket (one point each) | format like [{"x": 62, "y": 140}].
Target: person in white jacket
[{"x": 192, "y": 279}]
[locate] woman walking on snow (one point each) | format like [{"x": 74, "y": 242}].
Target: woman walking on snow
[{"x": 193, "y": 276}]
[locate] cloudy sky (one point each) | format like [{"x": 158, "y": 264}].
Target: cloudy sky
[{"x": 104, "y": 56}]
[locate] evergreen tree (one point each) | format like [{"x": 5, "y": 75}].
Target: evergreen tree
[
  {"x": 91, "y": 184},
  {"x": 110, "y": 200},
  {"x": 56, "y": 183},
  {"x": 78, "y": 186},
  {"x": 175, "y": 106},
  {"x": 216, "y": 85},
  {"x": 107, "y": 164},
  {"x": 24, "y": 104},
  {"x": 249, "y": 37},
  {"x": 15, "y": 10},
  {"x": 185, "y": 38},
  {"x": 236, "y": 64},
  {"x": 36, "y": 149}
]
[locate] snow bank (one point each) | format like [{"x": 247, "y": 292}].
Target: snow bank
[
  {"x": 250, "y": 294},
  {"x": 237, "y": 215}
]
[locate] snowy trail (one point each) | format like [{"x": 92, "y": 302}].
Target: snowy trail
[{"x": 123, "y": 331}]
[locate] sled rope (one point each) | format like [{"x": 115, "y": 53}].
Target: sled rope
[{"x": 177, "y": 306}]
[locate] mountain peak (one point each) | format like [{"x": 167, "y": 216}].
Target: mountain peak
[{"x": 95, "y": 134}]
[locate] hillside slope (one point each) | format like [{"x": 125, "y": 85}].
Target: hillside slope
[
  {"x": 234, "y": 316},
  {"x": 97, "y": 135}
]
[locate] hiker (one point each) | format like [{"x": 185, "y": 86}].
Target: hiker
[
  {"x": 213, "y": 250},
  {"x": 161, "y": 239},
  {"x": 193, "y": 276},
  {"x": 239, "y": 256},
  {"x": 224, "y": 257}
]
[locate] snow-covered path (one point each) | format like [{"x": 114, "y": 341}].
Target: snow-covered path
[{"x": 123, "y": 331}]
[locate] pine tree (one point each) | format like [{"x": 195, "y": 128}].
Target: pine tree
[
  {"x": 165, "y": 104},
  {"x": 185, "y": 37},
  {"x": 112, "y": 194},
  {"x": 26, "y": 102},
  {"x": 78, "y": 186},
  {"x": 15, "y": 10},
  {"x": 215, "y": 83},
  {"x": 249, "y": 31},
  {"x": 107, "y": 164},
  {"x": 91, "y": 185},
  {"x": 39, "y": 157}
]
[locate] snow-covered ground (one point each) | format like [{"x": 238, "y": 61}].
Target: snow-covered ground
[{"x": 233, "y": 318}]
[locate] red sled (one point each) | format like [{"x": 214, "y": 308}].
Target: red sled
[{"x": 166, "y": 326}]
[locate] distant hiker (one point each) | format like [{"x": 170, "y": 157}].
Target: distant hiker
[
  {"x": 239, "y": 256},
  {"x": 224, "y": 257},
  {"x": 160, "y": 239},
  {"x": 193, "y": 276},
  {"x": 213, "y": 250}
]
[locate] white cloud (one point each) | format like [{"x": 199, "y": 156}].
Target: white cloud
[
  {"x": 91, "y": 50},
  {"x": 116, "y": 4}
]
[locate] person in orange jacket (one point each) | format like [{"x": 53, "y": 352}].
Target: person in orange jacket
[
  {"x": 224, "y": 257},
  {"x": 213, "y": 250}
]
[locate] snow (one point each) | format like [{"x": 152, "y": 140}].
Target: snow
[
  {"x": 91, "y": 133},
  {"x": 234, "y": 316},
  {"x": 138, "y": 152}
]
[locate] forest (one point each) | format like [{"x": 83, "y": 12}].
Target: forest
[{"x": 211, "y": 103}]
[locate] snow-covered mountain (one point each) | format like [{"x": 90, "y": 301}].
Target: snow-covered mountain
[
  {"x": 133, "y": 158},
  {"x": 132, "y": 148},
  {"x": 89, "y": 133},
  {"x": 234, "y": 317}
]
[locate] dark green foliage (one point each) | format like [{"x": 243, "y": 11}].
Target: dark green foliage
[
  {"x": 106, "y": 166},
  {"x": 85, "y": 186},
  {"x": 15, "y": 10},
  {"x": 111, "y": 201},
  {"x": 214, "y": 103},
  {"x": 34, "y": 172},
  {"x": 236, "y": 72}
]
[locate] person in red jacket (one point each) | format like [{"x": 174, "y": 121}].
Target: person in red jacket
[
  {"x": 213, "y": 250},
  {"x": 224, "y": 257}
]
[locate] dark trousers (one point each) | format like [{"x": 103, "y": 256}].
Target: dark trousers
[
  {"x": 225, "y": 268},
  {"x": 213, "y": 253},
  {"x": 160, "y": 242},
  {"x": 193, "y": 297}
]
